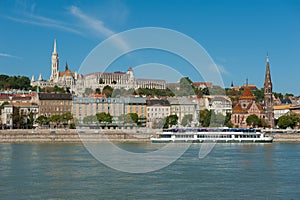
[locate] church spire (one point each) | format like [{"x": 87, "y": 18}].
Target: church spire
[
  {"x": 54, "y": 47},
  {"x": 54, "y": 64},
  {"x": 268, "y": 81},
  {"x": 268, "y": 95}
]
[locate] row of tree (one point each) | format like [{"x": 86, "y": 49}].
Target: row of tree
[
  {"x": 62, "y": 120},
  {"x": 14, "y": 82},
  {"x": 106, "y": 118}
]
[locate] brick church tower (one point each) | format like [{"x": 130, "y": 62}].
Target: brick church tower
[{"x": 268, "y": 96}]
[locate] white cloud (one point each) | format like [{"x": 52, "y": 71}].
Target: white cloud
[
  {"x": 96, "y": 26},
  {"x": 45, "y": 22},
  {"x": 8, "y": 55},
  {"x": 84, "y": 25}
]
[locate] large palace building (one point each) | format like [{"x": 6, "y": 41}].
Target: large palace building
[{"x": 77, "y": 83}]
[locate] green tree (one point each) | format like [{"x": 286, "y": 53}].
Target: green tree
[
  {"x": 259, "y": 95},
  {"x": 30, "y": 121},
  {"x": 171, "y": 120},
  {"x": 254, "y": 121},
  {"x": 56, "y": 119},
  {"x": 107, "y": 90},
  {"x": 186, "y": 87},
  {"x": 88, "y": 91},
  {"x": 204, "y": 117},
  {"x": 187, "y": 119},
  {"x": 134, "y": 117},
  {"x": 43, "y": 120},
  {"x": 217, "y": 90},
  {"x": 19, "y": 118},
  {"x": 289, "y": 120},
  {"x": 2, "y": 105},
  {"x": 14, "y": 82},
  {"x": 101, "y": 81},
  {"x": 129, "y": 118},
  {"x": 57, "y": 89},
  {"x": 91, "y": 119},
  {"x": 228, "y": 122},
  {"x": 66, "y": 118},
  {"x": 98, "y": 91},
  {"x": 216, "y": 120},
  {"x": 104, "y": 117}
]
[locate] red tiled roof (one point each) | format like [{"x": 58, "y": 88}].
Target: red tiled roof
[
  {"x": 98, "y": 95},
  {"x": 247, "y": 94},
  {"x": 238, "y": 109}
]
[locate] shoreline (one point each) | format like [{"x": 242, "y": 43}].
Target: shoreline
[{"x": 95, "y": 135}]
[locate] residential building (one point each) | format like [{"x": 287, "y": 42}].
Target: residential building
[
  {"x": 182, "y": 106},
  {"x": 219, "y": 104},
  {"x": 24, "y": 109},
  {"x": 88, "y": 106},
  {"x": 157, "y": 111},
  {"x": 53, "y": 103},
  {"x": 281, "y": 110}
]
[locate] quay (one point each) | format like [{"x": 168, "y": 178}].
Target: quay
[
  {"x": 73, "y": 135},
  {"x": 113, "y": 135}
]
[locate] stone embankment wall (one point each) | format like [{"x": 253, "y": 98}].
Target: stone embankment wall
[
  {"x": 66, "y": 135},
  {"x": 93, "y": 135},
  {"x": 285, "y": 137}
]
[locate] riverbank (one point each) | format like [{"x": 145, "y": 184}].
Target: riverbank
[
  {"x": 74, "y": 135},
  {"x": 93, "y": 135}
]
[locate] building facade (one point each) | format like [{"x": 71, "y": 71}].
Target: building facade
[
  {"x": 157, "y": 111},
  {"x": 219, "y": 104},
  {"x": 86, "y": 106},
  {"x": 117, "y": 80},
  {"x": 182, "y": 106},
  {"x": 53, "y": 103},
  {"x": 25, "y": 109},
  {"x": 245, "y": 107}
]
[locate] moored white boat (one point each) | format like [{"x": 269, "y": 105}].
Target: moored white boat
[{"x": 211, "y": 135}]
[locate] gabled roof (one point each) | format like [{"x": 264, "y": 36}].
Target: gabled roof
[
  {"x": 247, "y": 94},
  {"x": 238, "y": 109}
]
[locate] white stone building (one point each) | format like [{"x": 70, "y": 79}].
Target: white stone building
[
  {"x": 157, "y": 110},
  {"x": 182, "y": 106},
  {"x": 281, "y": 110},
  {"x": 24, "y": 109},
  {"x": 219, "y": 104}
]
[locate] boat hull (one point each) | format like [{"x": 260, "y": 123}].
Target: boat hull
[{"x": 165, "y": 140}]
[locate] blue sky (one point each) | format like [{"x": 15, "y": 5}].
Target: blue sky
[{"x": 236, "y": 34}]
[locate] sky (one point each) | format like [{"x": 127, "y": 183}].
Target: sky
[{"x": 237, "y": 35}]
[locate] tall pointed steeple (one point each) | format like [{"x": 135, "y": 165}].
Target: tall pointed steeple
[
  {"x": 54, "y": 64},
  {"x": 54, "y": 47},
  {"x": 268, "y": 95}
]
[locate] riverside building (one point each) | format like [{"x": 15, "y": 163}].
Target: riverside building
[{"x": 86, "y": 106}]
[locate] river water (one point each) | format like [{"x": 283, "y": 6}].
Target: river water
[{"x": 230, "y": 171}]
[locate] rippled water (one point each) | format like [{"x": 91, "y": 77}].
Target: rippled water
[{"x": 230, "y": 171}]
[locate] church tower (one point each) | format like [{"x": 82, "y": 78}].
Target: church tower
[
  {"x": 268, "y": 96},
  {"x": 54, "y": 64}
]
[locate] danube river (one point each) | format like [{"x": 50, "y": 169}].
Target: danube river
[{"x": 229, "y": 171}]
